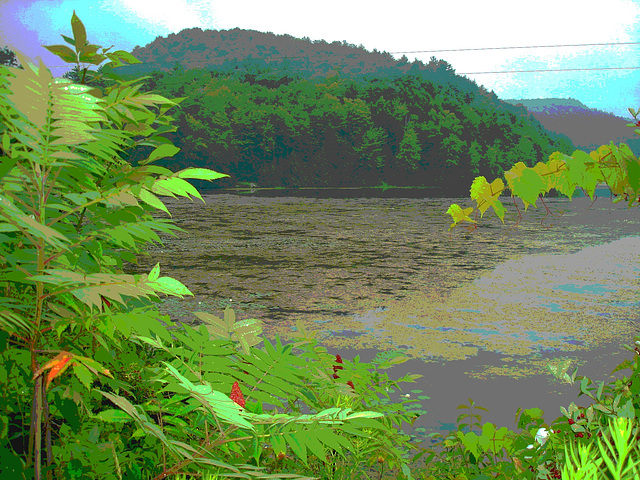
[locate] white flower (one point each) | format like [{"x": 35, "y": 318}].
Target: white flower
[
  {"x": 406, "y": 395},
  {"x": 541, "y": 438}
]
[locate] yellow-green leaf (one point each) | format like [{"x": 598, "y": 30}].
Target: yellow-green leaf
[
  {"x": 200, "y": 173},
  {"x": 162, "y": 151},
  {"x": 148, "y": 197},
  {"x": 155, "y": 273},
  {"x": 113, "y": 416},
  {"x": 62, "y": 51}
]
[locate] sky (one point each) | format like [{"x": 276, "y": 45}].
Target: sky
[{"x": 421, "y": 26}]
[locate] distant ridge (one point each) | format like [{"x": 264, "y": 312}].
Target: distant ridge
[
  {"x": 588, "y": 128},
  {"x": 544, "y": 103}
]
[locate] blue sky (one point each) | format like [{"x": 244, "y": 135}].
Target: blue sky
[{"x": 398, "y": 26}]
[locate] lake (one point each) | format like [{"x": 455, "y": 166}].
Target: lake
[{"x": 479, "y": 313}]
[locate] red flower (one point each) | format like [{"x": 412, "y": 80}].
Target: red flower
[
  {"x": 337, "y": 367},
  {"x": 236, "y": 395},
  {"x": 350, "y": 383}
]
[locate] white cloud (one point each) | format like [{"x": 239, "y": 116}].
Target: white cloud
[
  {"x": 161, "y": 16},
  {"x": 393, "y": 27}
]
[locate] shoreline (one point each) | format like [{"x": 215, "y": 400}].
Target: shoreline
[{"x": 451, "y": 384}]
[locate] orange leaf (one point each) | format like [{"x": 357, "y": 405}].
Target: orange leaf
[
  {"x": 58, "y": 368},
  {"x": 57, "y": 364}
]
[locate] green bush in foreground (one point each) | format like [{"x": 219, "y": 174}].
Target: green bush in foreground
[
  {"x": 555, "y": 450},
  {"x": 97, "y": 383}
]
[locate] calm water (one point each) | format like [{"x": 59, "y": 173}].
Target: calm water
[{"x": 477, "y": 312}]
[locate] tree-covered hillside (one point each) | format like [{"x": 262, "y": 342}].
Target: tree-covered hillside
[
  {"x": 586, "y": 127},
  {"x": 280, "y": 111}
]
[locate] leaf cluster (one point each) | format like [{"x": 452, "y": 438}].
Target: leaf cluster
[
  {"x": 99, "y": 384},
  {"x": 616, "y": 166}
]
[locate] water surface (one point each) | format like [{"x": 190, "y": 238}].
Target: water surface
[{"x": 380, "y": 274}]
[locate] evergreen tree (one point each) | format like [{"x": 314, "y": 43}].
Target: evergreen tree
[
  {"x": 409, "y": 153},
  {"x": 7, "y": 57}
]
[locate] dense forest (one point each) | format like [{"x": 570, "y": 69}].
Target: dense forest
[{"x": 279, "y": 111}]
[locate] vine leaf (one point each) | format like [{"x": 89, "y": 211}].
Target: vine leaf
[
  {"x": 459, "y": 214},
  {"x": 486, "y": 195}
]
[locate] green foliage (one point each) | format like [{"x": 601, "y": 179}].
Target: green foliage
[
  {"x": 614, "y": 414},
  {"x": 8, "y": 57},
  {"x": 614, "y": 165},
  {"x": 562, "y": 448},
  {"x": 97, "y": 383},
  {"x": 419, "y": 127}
]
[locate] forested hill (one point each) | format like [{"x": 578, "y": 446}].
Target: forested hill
[
  {"x": 237, "y": 48},
  {"x": 587, "y": 128},
  {"x": 280, "y": 111}
]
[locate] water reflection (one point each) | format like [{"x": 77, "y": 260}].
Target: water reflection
[
  {"x": 524, "y": 306},
  {"x": 333, "y": 262}
]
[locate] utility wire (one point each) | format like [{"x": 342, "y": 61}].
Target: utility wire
[
  {"x": 527, "y": 46},
  {"x": 551, "y": 70},
  {"x": 333, "y": 55},
  {"x": 457, "y": 73}
]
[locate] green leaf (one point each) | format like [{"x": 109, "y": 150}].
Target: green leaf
[
  {"x": 83, "y": 374},
  {"x": 147, "y": 197},
  {"x": 30, "y": 225},
  {"x": 200, "y": 173},
  {"x": 528, "y": 186},
  {"x": 69, "y": 40},
  {"x": 218, "y": 403},
  {"x": 334, "y": 441},
  {"x": 633, "y": 170},
  {"x": 174, "y": 186},
  {"x": 155, "y": 273},
  {"x": 123, "y": 55},
  {"x": 170, "y": 286},
  {"x": 278, "y": 443},
  {"x": 248, "y": 332},
  {"x": 153, "y": 99},
  {"x": 79, "y": 32},
  {"x": 162, "y": 151},
  {"x": 311, "y": 441},
  {"x": 6, "y": 163},
  {"x": 113, "y": 416},
  {"x": 365, "y": 415},
  {"x": 64, "y": 52},
  {"x": 297, "y": 446},
  {"x": 470, "y": 442}
]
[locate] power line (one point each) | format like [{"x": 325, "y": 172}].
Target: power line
[
  {"x": 457, "y": 73},
  {"x": 527, "y": 46},
  {"x": 550, "y": 70},
  {"x": 333, "y": 55}
]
